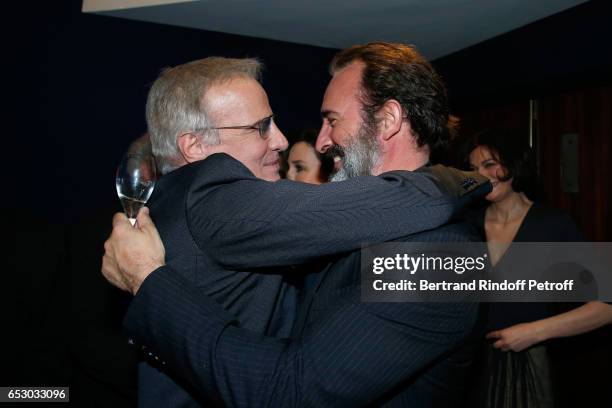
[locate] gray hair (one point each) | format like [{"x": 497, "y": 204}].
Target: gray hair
[{"x": 175, "y": 104}]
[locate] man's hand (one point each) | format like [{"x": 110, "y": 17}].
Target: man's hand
[
  {"x": 132, "y": 253},
  {"x": 516, "y": 338}
]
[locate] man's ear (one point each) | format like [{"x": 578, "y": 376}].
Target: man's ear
[
  {"x": 390, "y": 118},
  {"x": 191, "y": 146}
]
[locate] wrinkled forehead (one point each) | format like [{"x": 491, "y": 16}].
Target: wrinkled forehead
[{"x": 238, "y": 96}]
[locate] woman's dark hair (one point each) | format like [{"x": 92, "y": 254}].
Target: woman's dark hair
[
  {"x": 511, "y": 150},
  {"x": 309, "y": 136}
]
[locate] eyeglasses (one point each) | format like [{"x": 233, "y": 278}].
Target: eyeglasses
[{"x": 262, "y": 126}]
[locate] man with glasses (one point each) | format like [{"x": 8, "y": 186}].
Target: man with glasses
[
  {"x": 194, "y": 110},
  {"x": 227, "y": 233}
]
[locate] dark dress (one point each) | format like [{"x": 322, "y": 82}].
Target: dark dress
[{"x": 520, "y": 379}]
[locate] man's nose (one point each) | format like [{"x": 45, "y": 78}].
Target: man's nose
[
  {"x": 277, "y": 140},
  {"x": 324, "y": 141}
]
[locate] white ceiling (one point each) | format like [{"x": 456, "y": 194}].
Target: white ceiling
[{"x": 435, "y": 27}]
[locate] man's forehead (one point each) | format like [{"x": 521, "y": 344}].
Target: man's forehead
[
  {"x": 234, "y": 89},
  {"x": 239, "y": 94},
  {"x": 349, "y": 77},
  {"x": 345, "y": 84}
]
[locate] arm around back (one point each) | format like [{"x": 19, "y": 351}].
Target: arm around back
[
  {"x": 357, "y": 352},
  {"x": 245, "y": 222}
]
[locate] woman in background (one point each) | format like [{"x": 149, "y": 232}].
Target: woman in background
[
  {"x": 307, "y": 165},
  {"x": 515, "y": 370}
]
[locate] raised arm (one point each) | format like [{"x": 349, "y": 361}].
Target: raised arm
[{"x": 245, "y": 222}]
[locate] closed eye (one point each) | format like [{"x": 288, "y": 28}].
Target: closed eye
[
  {"x": 264, "y": 125},
  {"x": 328, "y": 116}
]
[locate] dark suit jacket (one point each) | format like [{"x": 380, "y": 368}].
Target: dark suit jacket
[
  {"x": 233, "y": 221},
  {"x": 264, "y": 303},
  {"x": 408, "y": 354}
]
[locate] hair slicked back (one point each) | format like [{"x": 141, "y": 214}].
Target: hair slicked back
[{"x": 399, "y": 72}]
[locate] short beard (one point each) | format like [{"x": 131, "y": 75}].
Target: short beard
[{"x": 360, "y": 156}]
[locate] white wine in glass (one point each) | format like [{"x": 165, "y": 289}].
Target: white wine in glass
[{"x": 135, "y": 180}]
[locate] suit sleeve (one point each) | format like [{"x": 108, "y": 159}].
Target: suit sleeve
[
  {"x": 244, "y": 222},
  {"x": 360, "y": 350}
]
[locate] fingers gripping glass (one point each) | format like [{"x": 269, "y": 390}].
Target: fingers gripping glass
[{"x": 262, "y": 126}]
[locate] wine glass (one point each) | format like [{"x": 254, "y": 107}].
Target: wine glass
[{"x": 135, "y": 180}]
